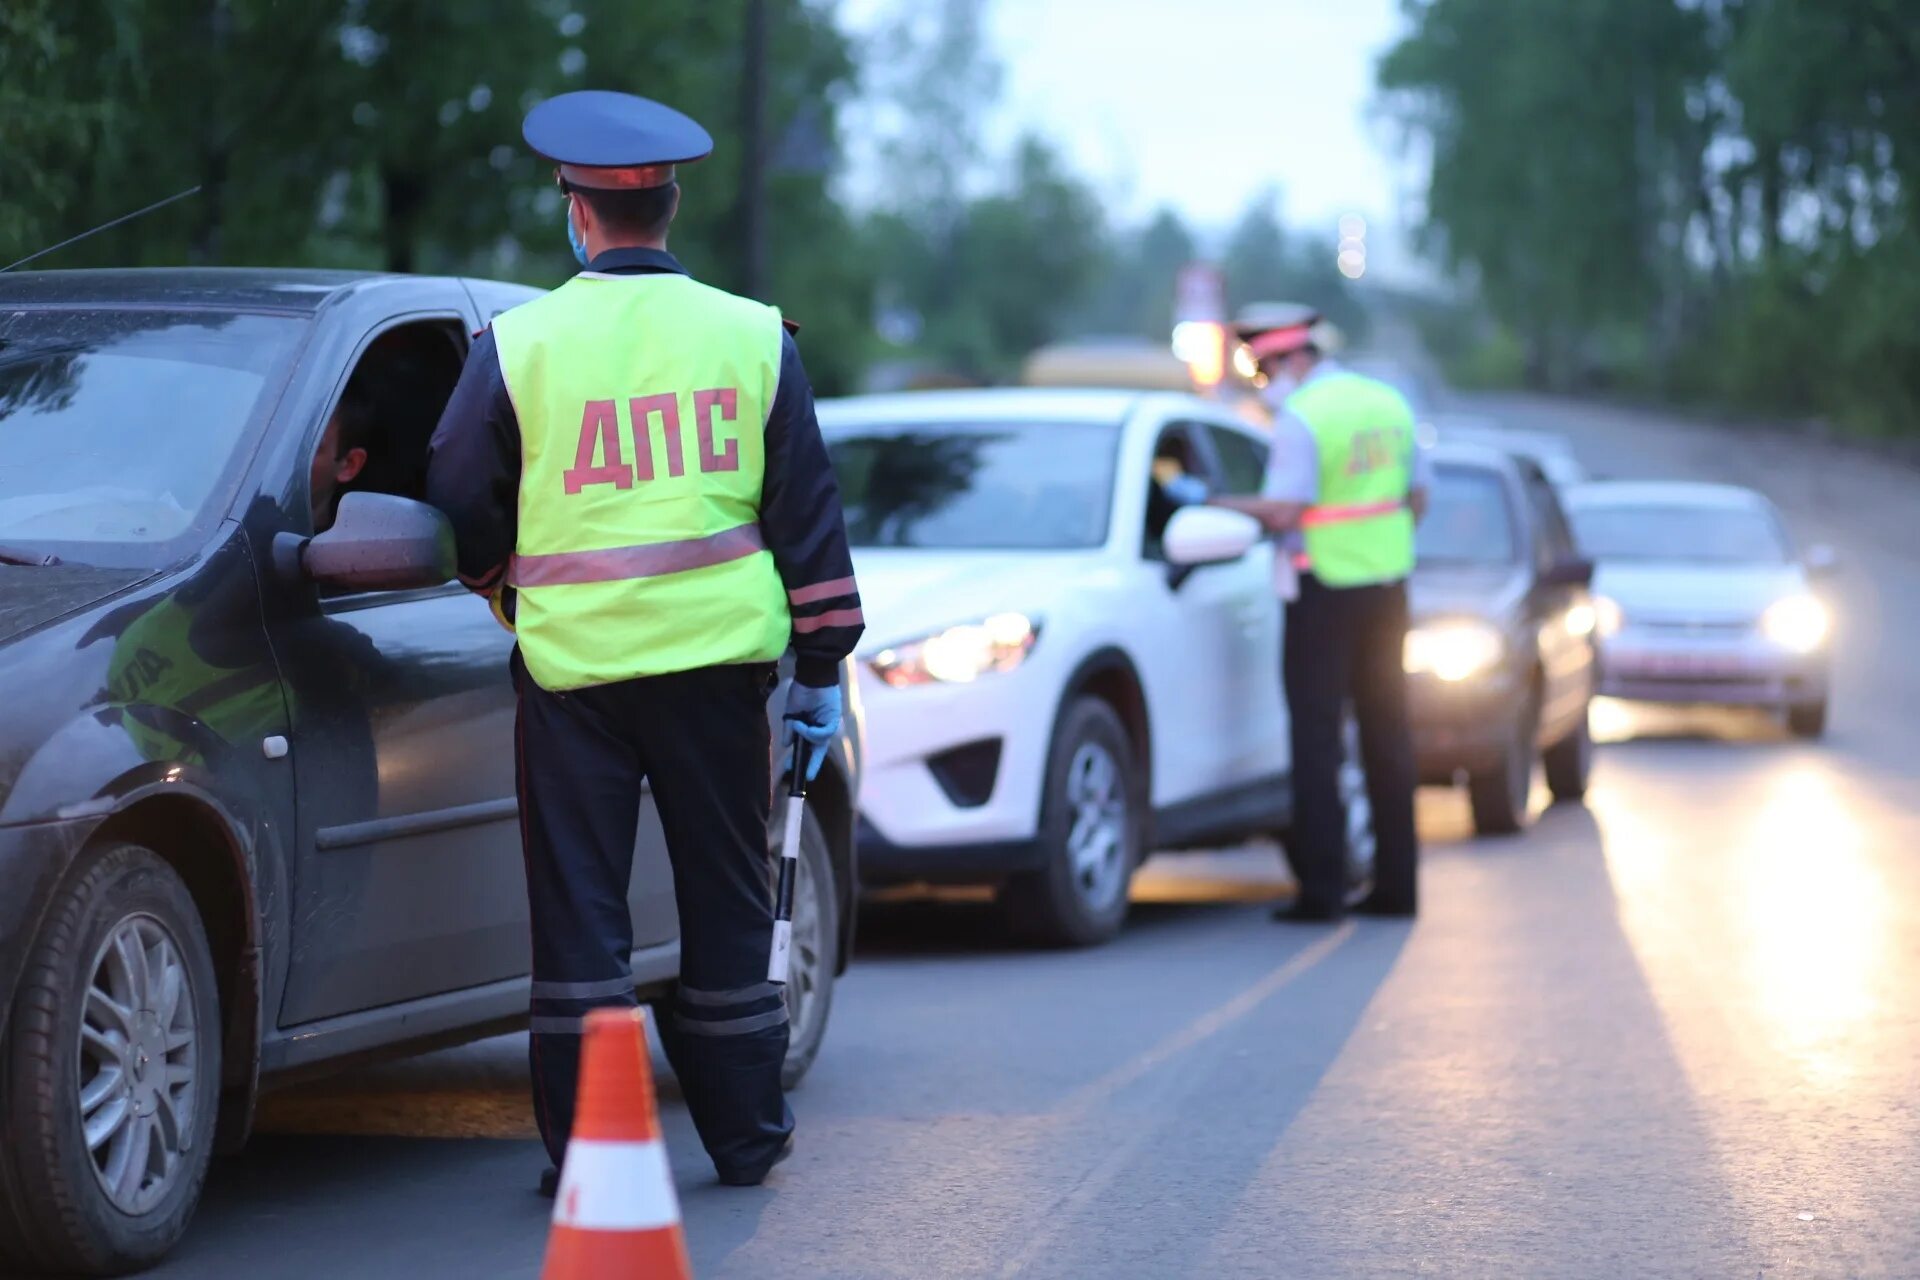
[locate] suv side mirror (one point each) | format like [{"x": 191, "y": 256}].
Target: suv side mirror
[
  {"x": 381, "y": 542},
  {"x": 1821, "y": 560},
  {"x": 1208, "y": 535},
  {"x": 1568, "y": 573}
]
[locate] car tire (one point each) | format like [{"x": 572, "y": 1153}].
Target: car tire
[
  {"x": 1501, "y": 795},
  {"x": 1807, "y": 719},
  {"x": 1570, "y": 763},
  {"x": 115, "y": 1029},
  {"x": 815, "y": 955},
  {"x": 1091, "y": 831}
]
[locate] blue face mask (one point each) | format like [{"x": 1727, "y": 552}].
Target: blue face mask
[{"x": 573, "y": 237}]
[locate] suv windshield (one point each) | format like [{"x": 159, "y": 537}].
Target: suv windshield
[
  {"x": 1469, "y": 519},
  {"x": 122, "y": 432},
  {"x": 1713, "y": 535},
  {"x": 976, "y": 486}
]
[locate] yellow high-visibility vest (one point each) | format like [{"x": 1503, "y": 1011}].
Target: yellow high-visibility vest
[
  {"x": 1360, "y": 531},
  {"x": 643, "y": 403}
]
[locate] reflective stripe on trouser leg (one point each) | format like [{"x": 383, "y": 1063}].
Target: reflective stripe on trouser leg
[
  {"x": 726, "y": 1030},
  {"x": 579, "y": 790}
]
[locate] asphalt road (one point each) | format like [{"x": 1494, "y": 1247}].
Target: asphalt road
[{"x": 1675, "y": 1032}]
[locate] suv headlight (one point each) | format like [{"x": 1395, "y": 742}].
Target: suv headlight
[
  {"x": 1454, "y": 650},
  {"x": 960, "y": 654},
  {"x": 1797, "y": 623}
]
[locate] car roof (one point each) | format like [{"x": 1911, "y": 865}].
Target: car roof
[
  {"x": 1460, "y": 454},
  {"x": 1663, "y": 493},
  {"x": 224, "y": 288},
  {"x": 1512, "y": 439},
  {"x": 1007, "y": 404}
]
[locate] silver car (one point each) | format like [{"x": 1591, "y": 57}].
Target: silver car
[{"x": 1700, "y": 597}]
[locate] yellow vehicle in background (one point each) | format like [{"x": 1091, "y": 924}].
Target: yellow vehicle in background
[{"x": 1135, "y": 364}]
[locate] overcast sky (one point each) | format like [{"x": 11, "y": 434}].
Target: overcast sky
[{"x": 1202, "y": 103}]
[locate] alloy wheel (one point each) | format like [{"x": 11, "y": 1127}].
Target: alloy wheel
[
  {"x": 139, "y": 1059},
  {"x": 1097, "y": 840}
]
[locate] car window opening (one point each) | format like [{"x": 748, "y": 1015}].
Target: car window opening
[
  {"x": 389, "y": 408},
  {"x": 1174, "y": 456}
]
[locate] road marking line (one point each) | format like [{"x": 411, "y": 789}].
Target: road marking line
[
  {"x": 1084, "y": 1100},
  {"x": 1090, "y": 1095}
]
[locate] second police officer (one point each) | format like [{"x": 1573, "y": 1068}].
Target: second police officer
[
  {"x": 1346, "y": 482},
  {"x": 633, "y": 470}
]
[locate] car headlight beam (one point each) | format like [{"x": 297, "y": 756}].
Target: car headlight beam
[
  {"x": 1798, "y": 623},
  {"x": 1454, "y": 650},
  {"x": 960, "y": 654}
]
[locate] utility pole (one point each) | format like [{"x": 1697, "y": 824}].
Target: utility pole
[{"x": 753, "y": 151}]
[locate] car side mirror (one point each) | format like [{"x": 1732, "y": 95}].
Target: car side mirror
[
  {"x": 1568, "y": 573},
  {"x": 381, "y": 542},
  {"x": 1208, "y": 535},
  {"x": 1821, "y": 561}
]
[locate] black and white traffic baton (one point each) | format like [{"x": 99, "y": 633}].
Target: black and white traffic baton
[{"x": 789, "y": 861}]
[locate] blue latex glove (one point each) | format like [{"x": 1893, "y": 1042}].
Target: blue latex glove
[
  {"x": 813, "y": 714},
  {"x": 1186, "y": 490}
]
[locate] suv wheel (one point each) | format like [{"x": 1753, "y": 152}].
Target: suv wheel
[
  {"x": 110, "y": 1081},
  {"x": 814, "y": 955},
  {"x": 1090, "y": 829}
]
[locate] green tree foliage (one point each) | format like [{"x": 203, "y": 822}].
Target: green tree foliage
[
  {"x": 385, "y": 133},
  {"x": 1006, "y": 275},
  {"x": 1133, "y": 294},
  {"x": 984, "y": 262},
  {"x": 1711, "y": 197}
]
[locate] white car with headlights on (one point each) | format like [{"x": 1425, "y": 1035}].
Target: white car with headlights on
[
  {"x": 1063, "y": 670},
  {"x": 1701, "y": 598}
]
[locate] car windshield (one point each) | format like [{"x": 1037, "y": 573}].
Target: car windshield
[
  {"x": 1710, "y": 535},
  {"x": 121, "y": 430},
  {"x": 1469, "y": 519},
  {"x": 991, "y": 486}
]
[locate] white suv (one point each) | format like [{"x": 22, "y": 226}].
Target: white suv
[{"x": 1062, "y": 671}]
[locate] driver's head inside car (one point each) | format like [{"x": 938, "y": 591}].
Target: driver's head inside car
[{"x": 342, "y": 454}]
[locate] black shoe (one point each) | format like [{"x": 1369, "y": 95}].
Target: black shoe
[
  {"x": 1303, "y": 912},
  {"x": 549, "y": 1182},
  {"x": 1375, "y": 905},
  {"x": 753, "y": 1177}
]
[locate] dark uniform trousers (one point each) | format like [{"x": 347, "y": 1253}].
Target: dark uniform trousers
[
  {"x": 701, "y": 739},
  {"x": 1346, "y": 644}
]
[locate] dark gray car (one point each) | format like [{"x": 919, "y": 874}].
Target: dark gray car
[{"x": 256, "y": 787}]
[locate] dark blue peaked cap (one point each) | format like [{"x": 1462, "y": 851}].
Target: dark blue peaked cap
[{"x": 614, "y": 141}]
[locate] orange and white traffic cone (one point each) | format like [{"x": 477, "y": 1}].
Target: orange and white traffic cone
[{"x": 615, "y": 1215}]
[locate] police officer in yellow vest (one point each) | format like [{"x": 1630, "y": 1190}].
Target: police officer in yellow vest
[
  {"x": 633, "y": 470},
  {"x": 1346, "y": 482}
]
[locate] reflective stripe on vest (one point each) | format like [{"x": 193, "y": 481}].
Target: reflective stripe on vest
[
  {"x": 642, "y": 403},
  {"x": 624, "y": 564},
  {"x": 1319, "y": 515},
  {"x": 1360, "y": 532}
]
